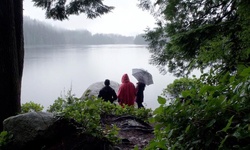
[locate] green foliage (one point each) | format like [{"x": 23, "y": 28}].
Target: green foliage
[
  {"x": 88, "y": 113},
  {"x": 216, "y": 117},
  {"x": 61, "y": 10},
  {"x": 5, "y": 138},
  {"x": 57, "y": 106},
  {"x": 213, "y": 111},
  {"x": 174, "y": 90},
  {"x": 136, "y": 147},
  {"x": 199, "y": 34},
  {"x": 111, "y": 132},
  {"x": 30, "y": 107},
  {"x": 62, "y": 102}
]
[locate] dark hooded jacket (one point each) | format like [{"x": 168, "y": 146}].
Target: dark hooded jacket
[{"x": 139, "y": 92}]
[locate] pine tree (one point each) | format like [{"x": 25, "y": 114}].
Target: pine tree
[{"x": 199, "y": 34}]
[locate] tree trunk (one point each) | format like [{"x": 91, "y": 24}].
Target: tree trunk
[{"x": 11, "y": 57}]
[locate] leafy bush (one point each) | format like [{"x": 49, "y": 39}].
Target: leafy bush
[
  {"x": 5, "y": 138},
  {"x": 31, "y": 106},
  {"x": 217, "y": 117},
  {"x": 178, "y": 85},
  {"x": 175, "y": 89},
  {"x": 88, "y": 113},
  {"x": 57, "y": 106}
]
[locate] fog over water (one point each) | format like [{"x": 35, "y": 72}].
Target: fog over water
[
  {"x": 126, "y": 19},
  {"x": 51, "y": 71}
]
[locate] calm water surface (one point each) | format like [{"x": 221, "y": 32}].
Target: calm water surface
[{"x": 51, "y": 71}]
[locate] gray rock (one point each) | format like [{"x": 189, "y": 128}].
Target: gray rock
[
  {"x": 43, "y": 130},
  {"x": 93, "y": 89},
  {"x": 29, "y": 127}
]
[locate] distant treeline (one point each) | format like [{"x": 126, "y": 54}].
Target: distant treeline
[{"x": 40, "y": 33}]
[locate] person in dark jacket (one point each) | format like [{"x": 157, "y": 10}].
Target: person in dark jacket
[
  {"x": 139, "y": 94},
  {"x": 107, "y": 93}
]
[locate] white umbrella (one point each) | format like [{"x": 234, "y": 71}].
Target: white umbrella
[
  {"x": 93, "y": 89},
  {"x": 142, "y": 76}
]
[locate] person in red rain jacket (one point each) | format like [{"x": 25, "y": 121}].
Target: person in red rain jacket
[{"x": 126, "y": 93}]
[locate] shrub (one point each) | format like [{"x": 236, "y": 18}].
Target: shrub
[
  {"x": 31, "y": 106},
  {"x": 5, "y": 138},
  {"x": 88, "y": 113},
  {"x": 217, "y": 117}
]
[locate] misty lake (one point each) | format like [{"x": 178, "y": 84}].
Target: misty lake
[{"x": 51, "y": 71}]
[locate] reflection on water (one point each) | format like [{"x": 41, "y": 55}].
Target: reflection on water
[{"x": 51, "y": 71}]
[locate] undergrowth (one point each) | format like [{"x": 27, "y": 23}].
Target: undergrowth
[{"x": 88, "y": 112}]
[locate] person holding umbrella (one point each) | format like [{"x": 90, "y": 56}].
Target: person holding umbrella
[
  {"x": 139, "y": 94},
  {"x": 144, "y": 78},
  {"x": 126, "y": 93}
]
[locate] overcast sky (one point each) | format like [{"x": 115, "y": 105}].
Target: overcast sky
[{"x": 126, "y": 19}]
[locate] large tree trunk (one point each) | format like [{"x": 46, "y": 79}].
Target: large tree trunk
[{"x": 11, "y": 57}]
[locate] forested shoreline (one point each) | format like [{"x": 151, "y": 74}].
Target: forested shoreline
[
  {"x": 39, "y": 33},
  {"x": 206, "y": 112}
]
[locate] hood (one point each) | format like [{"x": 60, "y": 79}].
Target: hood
[{"x": 125, "y": 78}]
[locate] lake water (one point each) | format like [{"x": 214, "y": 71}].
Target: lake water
[{"x": 51, "y": 71}]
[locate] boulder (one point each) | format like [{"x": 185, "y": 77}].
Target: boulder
[
  {"x": 43, "y": 130},
  {"x": 29, "y": 127},
  {"x": 93, "y": 89}
]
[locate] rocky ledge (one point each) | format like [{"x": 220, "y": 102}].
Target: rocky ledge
[{"x": 43, "y": 130}]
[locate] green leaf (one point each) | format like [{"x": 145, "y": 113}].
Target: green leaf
[
  {"x": 161, "y": 100},
  {"x": 228, "y": 124},
  {"x": 237, "y": 134},
  {"x": 211, "y": 123},
  {"x": 222, "y": 142},
  {"x": 170, "y": 133},
  {"x": 187, "y": 129},
  {"x": 186, "y": 93},
  {"x": 151, "y": 120},
  {"x": 232, "y": 79},
  {"x": 3, "y": 133},
  {"x": 136, "y": 147},
  {"x": 245, "y": 72}
]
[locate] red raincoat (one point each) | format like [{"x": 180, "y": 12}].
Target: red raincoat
[{"x": 126, "y": 93}]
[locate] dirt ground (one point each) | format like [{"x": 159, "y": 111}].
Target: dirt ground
[{"x": 133, "y": 132}]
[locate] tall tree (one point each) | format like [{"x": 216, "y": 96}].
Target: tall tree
[
  {"x": 11, "y": 57},
  {"x": 196, "y": 34},
  {"x": 12, "y": 46}
]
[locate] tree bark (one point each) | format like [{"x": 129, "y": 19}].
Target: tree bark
[{"x": 11, "y": 57}]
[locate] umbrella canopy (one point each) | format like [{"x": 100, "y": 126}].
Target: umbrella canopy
[
  {"x": 142, "y": 76},
  {"x": 93, "y": 89}
]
